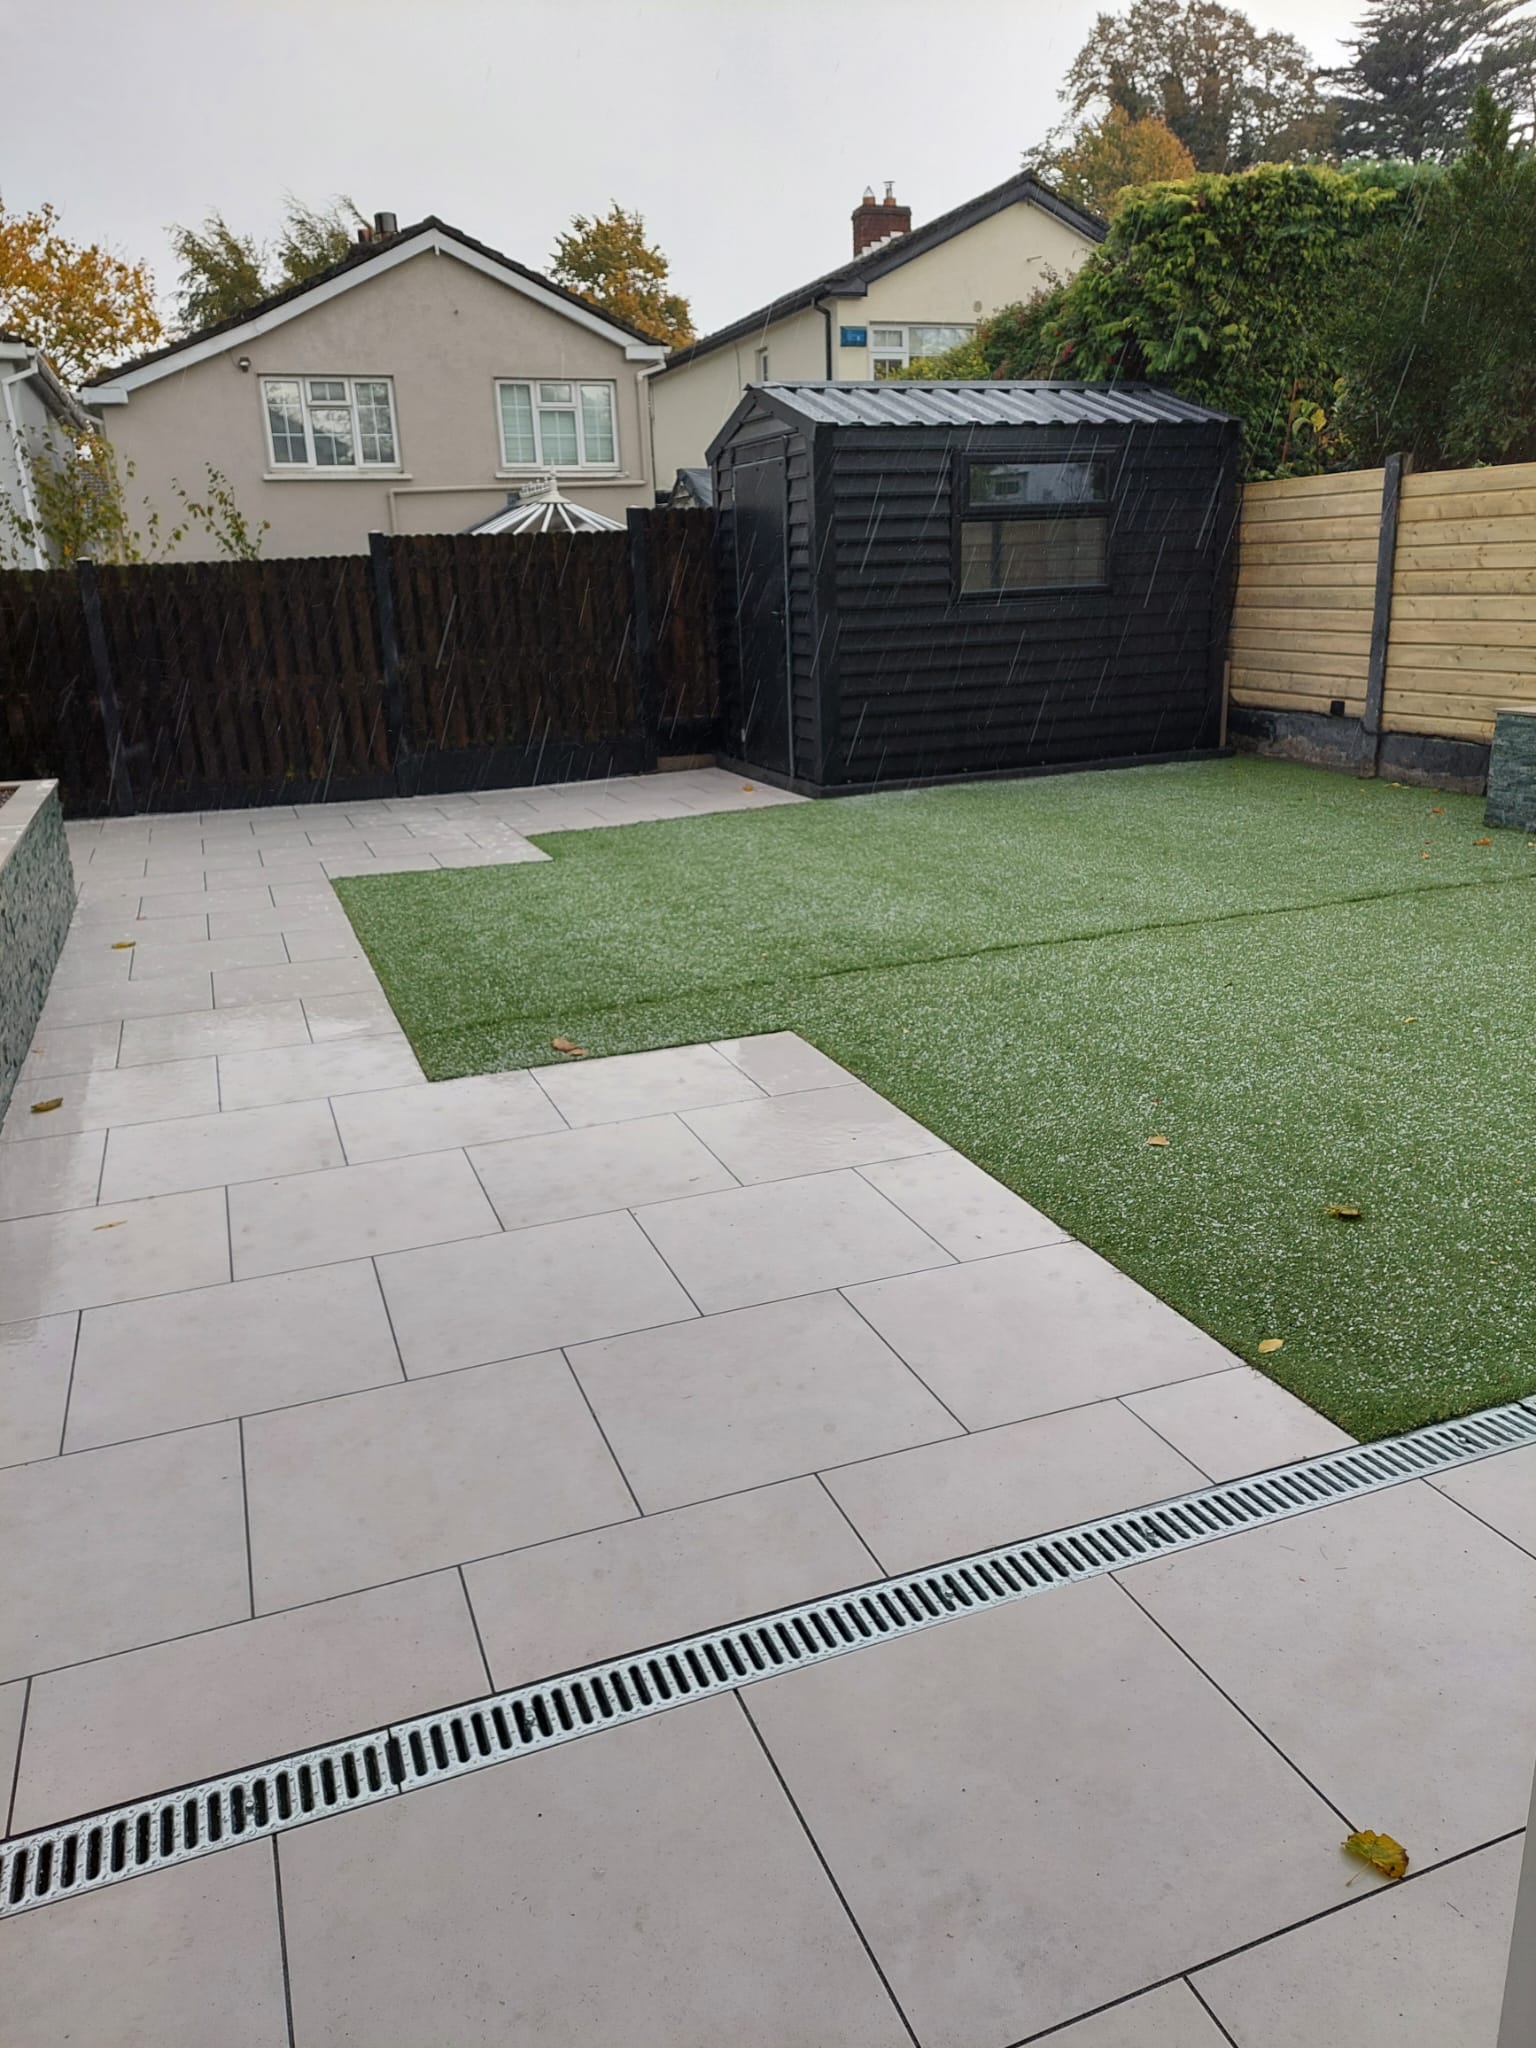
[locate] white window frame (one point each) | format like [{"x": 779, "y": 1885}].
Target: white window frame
[
  {"x": 887, "y": 353},
  {"x": 762, "y": 366},
  {"x": 310, "y": 467},
  {"x": 609, "y": 465}
]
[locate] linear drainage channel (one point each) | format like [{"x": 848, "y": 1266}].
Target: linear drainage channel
[{"x": 120, "y": 1842}]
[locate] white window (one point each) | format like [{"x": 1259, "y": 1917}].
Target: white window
[
  {"x": 762, "y": 366},
  {"x": 892, "y": 348},
  {"x": 330, "y": 423},
  {"x": 557, "y": 425}
]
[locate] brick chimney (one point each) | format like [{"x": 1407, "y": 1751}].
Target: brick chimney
[{"x": 876, "y": 220}]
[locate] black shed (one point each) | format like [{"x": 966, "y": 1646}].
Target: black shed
[{"x": 929, "y": 581}]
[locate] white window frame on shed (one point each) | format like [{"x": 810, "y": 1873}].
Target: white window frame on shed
[
  {"x": 891, "y": 345},
  {"x": 327, "y": 408},
  {"x": 534, "y": 425}
]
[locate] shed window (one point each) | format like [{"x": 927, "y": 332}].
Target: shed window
[{"x": 1032, "y": 526}]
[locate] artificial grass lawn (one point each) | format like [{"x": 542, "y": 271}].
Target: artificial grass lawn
[{"x": 1048, "y": 972}]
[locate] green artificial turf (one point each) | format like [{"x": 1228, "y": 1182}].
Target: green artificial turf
[{"x": 1048, "y": 972}]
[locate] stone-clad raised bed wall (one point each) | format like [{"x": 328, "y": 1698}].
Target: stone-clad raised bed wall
[{"x": 37, "y": 894}]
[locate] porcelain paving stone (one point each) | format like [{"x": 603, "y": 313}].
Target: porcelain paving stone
[
  {"x": 1424, "y": 1959},
  {"x": 366, "y": 1015},
  {"x": 351, "y": 1212},
  {"x": 428, "y": 1116},
  {"x": 49, "y": 1173},
  {"x": 13, "y": 1699},
  {"x": 1171, "y": 2017},
  {"x": 967, "y": 1211},
  {"x": 525, "y": 1290},
  {"x": 183, "y": 1958},
  {"x": 35, "y": 1359},
  {"x": 264, "y": 950},
  {"x": 917, "y": 1507},
  {"x": 1386, "y": 1645},
  {"x": 321, "y": 942},
  {"x": 147, "y": 1041},
  {"x": 215, "y": 1352},
  {"x": 1233, "y": 1423},
  {"x": 150, "y": 934},
  {"x": 216, "y": 1151},
  {"x": 206, "y": 1704},
  {"x": 786, "y": 1237},
  {"x": 731, "y": 1401},
  {"x": 170, "y": 902},
  {"x": 122, "y": 1251},
  {"x": 236, "y": 985},
  {"x": 116, "y": 1548},
  {"x": 1002, "y": 1339},
  {"x": 70, "y": 1049},
  {"x": 304, "y": 1072},
  {"x": 377, "y": 1486},
  {"x": 316, "y": 913},
  {"x": 814, "y": 1131},
  {"x": 645, "y": 1084},
  {"x": 656, "y": 1920},
  {"x": 89, "y": 963},
  {"x": 1500, "y": 1491},
  {"x": 613, "y": 1591},
  {"x": 602, "y": 1166},
  {"x": 1031, "y": 1812},
  {"x": 122, "y": 1095},
  {"x": 109, "y": 1002}
]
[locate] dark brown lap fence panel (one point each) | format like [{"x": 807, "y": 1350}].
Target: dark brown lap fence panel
[
  {"x": 680, "y": 561},
  {"x": 246, "y": 682},
  {"x": 50, "y": 717},
  {"x": 516, "y": 657}
]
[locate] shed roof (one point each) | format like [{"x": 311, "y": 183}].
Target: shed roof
[{"x": 1037, "y": 404}]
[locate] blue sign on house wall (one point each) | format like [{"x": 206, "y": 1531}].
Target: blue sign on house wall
[{"x": 853, "y": 337}]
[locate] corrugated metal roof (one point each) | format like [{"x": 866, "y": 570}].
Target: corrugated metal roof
[{"x": 899, "y": 404}]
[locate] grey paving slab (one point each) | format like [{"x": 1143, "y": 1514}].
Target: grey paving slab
[
  {"x": 1171, "y": 2017},
  {"x": 1002, "y": 1339},
  {"x": 782, "y": 1062},
  {"x": 216, "y": 1352},
  {"x": 13, "y": 1699},
  {"x": 654, "y": 1920},
  {"x": 1022, "y": 1479},
  {"x": 1032, "y": 1812},
  {"x": 616, "y": 1590},
  {"x": 787, "y": 1237},
  {"x": 353, "y": 1212},
  {"x": 110, "y": 1002},
  {"x": 123, "y": 1095},
  {"x": 71, "y": 1049},
  {"x": 212, "y": 860},
  {"x": 165, "y": 900},
  {"x": 150, "y": 933},
  {"x": 645, "y": 1084},
  {"x": 49, "y": 1173},
  {"x": 265, "y": 950},
  {"x": 318, "y": 912},
  {"x": 122, "y": 1251},
  {"x": 321, "y": 942},
  {"x": 236, "y": 985},
  {"x": 372, "y": 1487},
  {"x": 304, "y": 1072},
  {"x": 968, "y": 1212},
  {"x": 429, "y": 1116},
  {"x": 213, "y": 1151},
  {"x": 736, "y": 1400},
  {"x": 813, "y": 1131},
  {"x": 1232, "y": 1423},
  {"x": 85, "y": 963},
  {"x": 603, "y": 1166},
  {"x": 116, "y": 1548},
  {"x": 1502, "y": 1492},
  {"x": 185, "y": 1958},
  {"x": 526, "y": 1290},
  {"x": 148, "y": 1719},
  {"x": 1387, "y": 1645},
  {"x": 364, "y": 863},
  {"x": 1422, "y": 1962},
  {"x": 149, "y": 1040},
  {"x": 364, "y": 1015},
  {"x": 35, "y": 1362}
]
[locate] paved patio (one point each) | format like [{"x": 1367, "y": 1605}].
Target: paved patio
[{"x": 330, "y": 1396}]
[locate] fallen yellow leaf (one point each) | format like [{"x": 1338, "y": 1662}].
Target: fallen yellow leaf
[
  {"x": 1343, "y": 1211},
  {"x": 1437, "y": 811},
  {"x": 1380, "y": 1851},
  {"x": 42, "y": 1108},
  {"x": 565, "y": 1045},
  {"x": 117, "y": 1225},
  {"x": 1157, "y": 1141},
  {"x": 1482, "y": 842},
  {"x": 1272, "y": 1344},
  {"x": 124, "y": 945},
  {"x": 1410, "y": 1020},
  {"x": 747, "y": 788}
]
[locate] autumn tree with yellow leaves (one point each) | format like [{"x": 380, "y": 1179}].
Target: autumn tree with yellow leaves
[
  {"x": 84, "y": 307},
  {"x": 607, "y": 260}
]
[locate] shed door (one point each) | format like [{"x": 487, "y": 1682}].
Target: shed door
[{"x": 762, "y": 612}]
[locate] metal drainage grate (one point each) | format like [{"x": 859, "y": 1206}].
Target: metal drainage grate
[{"x": 148, "y": 1834}]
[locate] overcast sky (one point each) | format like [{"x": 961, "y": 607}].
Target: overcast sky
[{"x": 743, "y": 130}]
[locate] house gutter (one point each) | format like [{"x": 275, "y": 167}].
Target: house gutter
[
  {"x": 23, "y": 464},
  {"x": 824, "y": 308}
]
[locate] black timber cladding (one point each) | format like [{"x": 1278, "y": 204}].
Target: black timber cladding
[{"x": 894, "y": 676}]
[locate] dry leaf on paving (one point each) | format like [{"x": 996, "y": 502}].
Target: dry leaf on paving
[
  {"x": 42, "y": 1108},
  {"x": 1157, "y": 1141},
  {"x": 1380, "y": 1851},
  {"x": 1482, "y": 842},
  {"x": 1345, "y": 1212},
  {"x": 124, "y": 945},
  {"x": 565, "y": 1045},
  {"x": 117, "y": 1225},
  {"x": 1272, "y": 1344}
]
